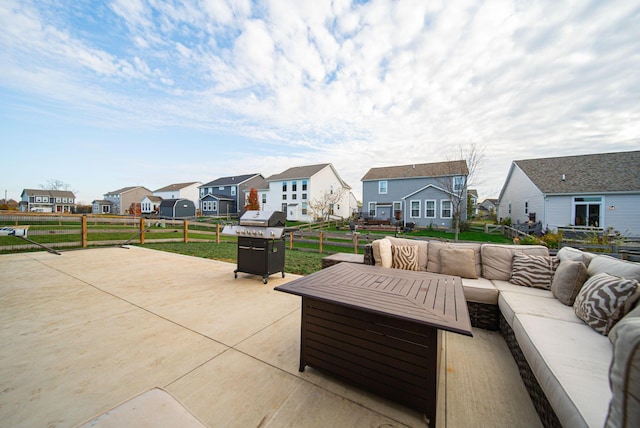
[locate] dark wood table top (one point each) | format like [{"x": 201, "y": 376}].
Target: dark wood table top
[{"x": 426, "y": 298}]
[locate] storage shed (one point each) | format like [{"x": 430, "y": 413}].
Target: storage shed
[{"x": 177, "y": 208}]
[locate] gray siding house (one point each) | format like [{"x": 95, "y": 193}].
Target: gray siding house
[
  {"x": 597, "y": 191},
  {"x": 424, "y": 194},
  {"x": 47, "y": 201},
  {"x": 226, "y": 195},
  {"x": 120, "y": 201}
]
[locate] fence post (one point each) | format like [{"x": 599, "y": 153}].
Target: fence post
[
  {"x": 141, "y": 230},
  {"x": 355, "y": 243},
  {"x": 320, "y": 241},
  {"x": 217, "y": 233},
  {"x": 291, "y": 240},
  {"x": 186, "y": 231},
  {"x": 83, "y": 227}
]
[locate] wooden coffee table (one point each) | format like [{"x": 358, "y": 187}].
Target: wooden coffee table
[{"x": 380, "y": 328}]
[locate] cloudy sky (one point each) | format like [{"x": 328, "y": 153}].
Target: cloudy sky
[{"x": 107, "y": 94}]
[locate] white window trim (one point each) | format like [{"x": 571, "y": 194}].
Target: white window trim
[
  {"x": 435, "y": 208},
  {"x": 386, "y": 187},
  {"x": 372, "y": 208},
  {"x": 411, "y": 208},
  {"x": 442, "y": 207}
]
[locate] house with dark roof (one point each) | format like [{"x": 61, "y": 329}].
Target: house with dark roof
[
  {"x": 306, "y": 193},
  {"x": 425, "y": 194},
  {"x": 47, "y": 201},
  {"x": 599, "y": 191},
  {"x": 121, "y": 201},
  {"x": 226, "y": 195}
]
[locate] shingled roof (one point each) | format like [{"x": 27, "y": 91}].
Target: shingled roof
[
  {"x": 298, "y": 172},
  {"x": 176, "y": 186},
  {"x": 436, "y": 169},
  {"x": 596, "y": 173}
]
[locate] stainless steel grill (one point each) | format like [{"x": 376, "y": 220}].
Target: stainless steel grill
[{"x": 260, "y": 243}]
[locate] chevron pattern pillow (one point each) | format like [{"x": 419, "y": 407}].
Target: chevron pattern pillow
[
  {"x": 533, "y": 271},
  {"x": 604, "y": 299},
  {"x": 405, "y": 257}
]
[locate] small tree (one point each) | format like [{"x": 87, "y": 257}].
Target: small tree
[
  {"x": 253, "y": 203},
  {"x": 322, "y": 208},
  {"x": 456, "y": 181}
]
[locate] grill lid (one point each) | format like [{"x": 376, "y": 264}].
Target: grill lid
[{"x": 263, "y": 218}]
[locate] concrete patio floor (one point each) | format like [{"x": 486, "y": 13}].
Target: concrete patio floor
[{"x": 83, "y": 331}]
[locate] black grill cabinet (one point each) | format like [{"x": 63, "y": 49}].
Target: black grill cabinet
[{"x": 260, "y": 256}]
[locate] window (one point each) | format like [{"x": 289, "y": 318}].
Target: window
[
  {"x": 264, "y": 198},
  {"x": 284, "y": 186},
  {"x": 509, "y": 208},
  {"x": 415, "y": 209},
  {"x": 284, "y": 197},
  {"x": 587, "y": 211},
  {"x": 209, "y": 205},
  {"x": 294, "y": 196},
  {"x": 382, "y": 187},
  {"x": 304, "y": 208},
  {"x": 220, "y": 187},
  {"x": 331, "y": 209},
  {"x": 106, "y": 209},
  {"x": 233, "y": 190},
  {"x": 458, "y": 183},
  {"x": 38, "y": 198},
  {"x": 304, "y": 196},
  {"x": 45, "y": 199},
  {"x": 526, "y": 207},
  {"x": 304, "y": 185},
  {"x": 210, "y": 190},
  {"x": 397, "y": 210},
  {"x": 284, "y": 208},
  {"x": 430, "y": 209},
  {"x": 58, "y": 200},
  {"x": 294, "y": 186},
  {"x": 202, "y": 192},
  {"x": 445, "y": 209},
  {"x": 372, "y": 209}
]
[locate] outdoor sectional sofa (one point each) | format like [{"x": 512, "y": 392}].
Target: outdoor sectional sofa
[{"x": 569, "y": 320}]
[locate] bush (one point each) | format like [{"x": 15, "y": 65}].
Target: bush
[{"x": 506, "y": 221}]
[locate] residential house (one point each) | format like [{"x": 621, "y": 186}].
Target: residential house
[
  {"x": 121, "y": 201},
  {"x": 306, "y": 193},
  {"x": 227, "y": 195},
  {"x": 47, "y": 201},
  {"x": 177, "y": 209},
  {"x": 180, "y": 191},
  {"x": 598, "y": 191},
  {"x": 473, "y": 201},
  {"x": 150, "y": 204},
  {"x": 487, "y": 208},
  {"x": 425, "y": 194}
]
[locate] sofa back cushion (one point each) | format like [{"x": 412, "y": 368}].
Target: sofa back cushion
[
  {"x": 533, "y": 271},
  {"x": 613, "y": 266},
  {"x": 497, "y": 260},
  {"x": 423, "y": 247},
  {"x": 570, "y": 253},
  {"x": 382, "y": 255},
  {"x": 434, "y": 257},
  {"x": 624, "y": 374},
  {"x": 458, "y": 262}
]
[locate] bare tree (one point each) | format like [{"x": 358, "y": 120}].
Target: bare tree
[
  {"x": 457, "y": 180},
  {"x": 322, "y": 207},
  {"x": 55, "y": 184}
]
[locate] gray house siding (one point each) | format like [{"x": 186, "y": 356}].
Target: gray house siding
[
  {"x": 520, "y": 194},
  {"x": 404, "y": 191}
]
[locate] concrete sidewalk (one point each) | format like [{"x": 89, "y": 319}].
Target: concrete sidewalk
[{"x": 86, "y": 330}]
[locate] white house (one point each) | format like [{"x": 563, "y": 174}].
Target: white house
[
  {"x": 599, "y": 191},
  {"x": 299, "y": 191},
  {"x": 180, "y": 191}
]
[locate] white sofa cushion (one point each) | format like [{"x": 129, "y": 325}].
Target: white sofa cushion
[
  {"x": 480, "y": 290},
  {"x": 569, "y": 253},
  {"x": 507, "y": 286},
  {"x": 613, "y": 266},
  {"x": 382, "y": 255},
  {"x": 624, "y": 374},
  {"x": 512, "y": 303},
  {"x": 571, "y": 365},
  {"x": 497, "y": 259}
]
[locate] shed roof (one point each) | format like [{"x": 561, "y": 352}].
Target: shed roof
[
  {"x": 594, "y": 173},
  {"x": 436, "y": 169}
]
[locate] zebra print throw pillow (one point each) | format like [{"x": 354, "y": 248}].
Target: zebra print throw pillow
[
  {"x": 533, "y": 271},
  {"x": 604, "y": 299},
  {"x": 405, "y": 257}
]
